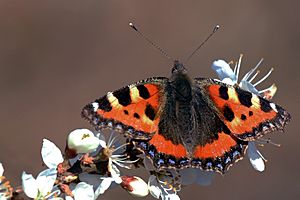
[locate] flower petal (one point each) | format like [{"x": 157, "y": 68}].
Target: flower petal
[
  {"x": 68, "y": 198},
  {"x": 170, "y": 197},
  {"x": 269, "y": 92},
  {"x": 114, "y": 171},
  {"x": 223, "y": 70},
  {"x": 104, "y": 185},
  {"x": 103, "y": 144},
  {"x": 255, "y": 157},
  {"x": 245, "y": 85},
  {"x": 228, "y": 81},
  {"x": 153, "y": 187},
  {"x": 59, "y": 198},
  {"x": 102, "y": 140},
  {"x": 45, "y": 181},
  {"x": 51, "y": 154},
  {"x": 1, "y": 170},
  {"x": 83, "y": 191},
  {"x": 29, "y": 185},
  {"x": 54, "y": 195}
]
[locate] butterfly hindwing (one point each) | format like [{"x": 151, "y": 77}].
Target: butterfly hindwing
[
  {"x": 219, "y": 154},
  {"x": 246, "y": 115},
  {"x": 132, "y": 109},
  {"x": 215, "y": 147}
]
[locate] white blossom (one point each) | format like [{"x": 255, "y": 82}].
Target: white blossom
[
  {"x": 41, "y": 187},
  {"x": 111, "y": 150}
]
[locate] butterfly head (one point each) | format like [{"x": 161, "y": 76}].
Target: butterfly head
[{"x": 178, "y": 68}]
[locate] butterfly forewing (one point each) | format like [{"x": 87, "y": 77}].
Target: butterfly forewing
[
  {"x": 132, "y": 109},
  {"x": 246, "y": 115}
]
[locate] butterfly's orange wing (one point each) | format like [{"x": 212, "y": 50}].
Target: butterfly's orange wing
[
  {"x": 133, "y": 109},
  {"x": 246, "y": 115}
]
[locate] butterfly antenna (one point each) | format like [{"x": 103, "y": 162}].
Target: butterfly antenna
[
  {"x": 216, "y": 28},
  {"x": 150, "y": 41}
]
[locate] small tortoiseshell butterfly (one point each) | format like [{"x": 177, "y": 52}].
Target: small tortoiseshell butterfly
[{"x": 182, "y": 122}]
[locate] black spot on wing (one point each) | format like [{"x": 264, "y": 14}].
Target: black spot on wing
[
  {"x": 150, "y": 112},
  {"x": 126, "y": 112},
  {"x": 244, "y": 97},
  {"x": 104, "y": 104},
  {"x": 143, "y": 91},
  {"x": 265, "y": 105},
  {"x": 243, "y": 117},
  {"x": 123, "y": 96},
  {"x": 250, "y": 113},
  {"x": 137, "y": 116},
  {"x": 228, "y": 113},
  {"x": 223, "y": 91}
]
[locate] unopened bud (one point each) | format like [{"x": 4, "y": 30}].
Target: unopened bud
[
  {"x": 135, "y": 186},
  {"x": 82, "y": 141}
]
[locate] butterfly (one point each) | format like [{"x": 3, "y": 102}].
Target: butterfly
[{"x": 180, "y": 122}]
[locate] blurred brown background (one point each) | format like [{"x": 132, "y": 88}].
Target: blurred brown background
[{"x": 57, "y": 56}]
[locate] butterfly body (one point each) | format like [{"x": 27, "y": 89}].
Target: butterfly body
[{"x": 182, "y": 122}]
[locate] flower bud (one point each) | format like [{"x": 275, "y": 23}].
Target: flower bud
[
  {"x": 135, "y": 186},
  {"x": 82, "y": 141}
]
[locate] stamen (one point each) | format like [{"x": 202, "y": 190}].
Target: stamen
[
  {"x": 262, "y": 156},
  {"x": 119, "y": 147},
  {"x": 162, "y": 182},
  {"x": 169, "y": 187},
  {"x": 235, "y": 66},
  {"x": 257, "y": 65},
  {"x": 117, "y": 156},
  {"x": 128, "y": 161},
  {"x": 267, "y": 89},
  {"x": 113, "y": 140},
  {"x": 121, "y": 165},
  {"x": 238, "y": 67},
  {"x": 263, "y": 141},
  {"x": 264, "y": 78},
  {"x": 254, "y": 76},
  {"x": 259, "y": 62},
  {"x": 121, "y": 158},
  {"x": 252, "y": 71},
  {"x": 110, "y": 140}
]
